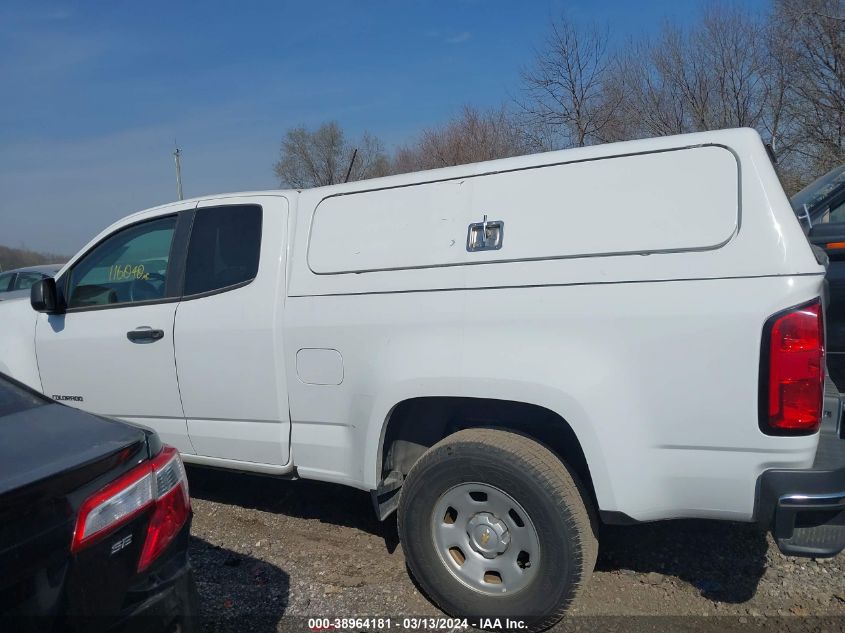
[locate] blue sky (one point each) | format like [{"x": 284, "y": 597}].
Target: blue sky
[{"x": 94, "y": 93}]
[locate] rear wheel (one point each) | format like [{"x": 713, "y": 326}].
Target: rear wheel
[{"x": 494, "y": 525}]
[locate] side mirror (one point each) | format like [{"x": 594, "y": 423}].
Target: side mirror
[
  {"x": 830, "y": 233},
  {"x": 830, "y": 238},
  {"x": 43, "y": 296}
]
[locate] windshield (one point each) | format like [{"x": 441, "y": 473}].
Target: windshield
[
  {"x": 818, "y": 190},
  {"x": 14, "y": 399}
]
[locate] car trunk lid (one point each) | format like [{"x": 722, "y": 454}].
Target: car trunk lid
[{"x": 51, "y": 458}]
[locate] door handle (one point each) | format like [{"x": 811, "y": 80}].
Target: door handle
[
  {"x": 145, "y": 335},
  {"x": 486, "y": 235}
]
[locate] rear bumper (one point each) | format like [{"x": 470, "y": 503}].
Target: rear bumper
[
  {"x": 164, "y": 598},
  {"x": 174, "y": 603},
  {"x": 805, "y": 509}
]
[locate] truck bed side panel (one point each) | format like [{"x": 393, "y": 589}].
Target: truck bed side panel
[{"x": 658, "y": 380}]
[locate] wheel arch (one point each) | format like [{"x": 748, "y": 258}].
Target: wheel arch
[{"x": 413, "y": 424}]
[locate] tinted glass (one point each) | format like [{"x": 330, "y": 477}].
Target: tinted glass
[
  {"x": 5, "y": 279},
  {"x": 224, "y": 249},
  {"x": 25, "y": 281},
  {"x": 837, "y": 213},
  {"x": 13, "y": 399},
  {"x": 818, "y": 190},
  {"x": 834, "y": 214},
  {"x": 129, "y": 266}
]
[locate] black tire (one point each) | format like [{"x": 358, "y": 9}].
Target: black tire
[{"x": 551, "y": 496}]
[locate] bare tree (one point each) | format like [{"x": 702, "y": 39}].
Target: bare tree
[
  {"x": 323, "y": 156},
  {"x": 713, "y": 75},
  {"x": 814, "y": 47},
  {"x": 11, "y": 258},
  {"x": 472, "y": 136},
  {"x": 782, "y": 73},
  {"x": 650, "y": 104},
  {"x": 565, "y": 90},
  {"x": 778, "y": 124},
  {"x": 734, "y": 45}
]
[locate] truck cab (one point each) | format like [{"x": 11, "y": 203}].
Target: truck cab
[{"x": 157, "y": 318}]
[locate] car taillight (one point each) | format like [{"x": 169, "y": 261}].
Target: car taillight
[
  {"x": 172, "y": 507},
  {"x": 159, "y": 485},
  {"x": 792, "y": 371}
]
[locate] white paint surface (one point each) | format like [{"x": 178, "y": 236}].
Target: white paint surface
[{"x": 652, "y": 359}]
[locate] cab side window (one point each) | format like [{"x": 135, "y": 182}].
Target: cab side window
[
  {"x": 224, "y": 249},
  {"x": 128, "y": 267},
  {"x": 836, "y": 214},
  {"x": 5, "y": 281},
  {"x": 25, "y": 281}
]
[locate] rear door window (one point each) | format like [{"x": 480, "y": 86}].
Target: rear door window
[{"x": 224, "y": 249}]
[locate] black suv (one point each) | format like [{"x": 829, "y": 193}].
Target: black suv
[{"x": 820, "y": 207}]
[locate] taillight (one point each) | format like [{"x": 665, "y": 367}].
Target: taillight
[
  {"x": 159, "y": 485},
  {"x": 172, "y": 508},
  {"x": 792, "y": 371}
]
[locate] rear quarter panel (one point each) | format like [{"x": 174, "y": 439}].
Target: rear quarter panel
[{"x": 659, "y": 381}]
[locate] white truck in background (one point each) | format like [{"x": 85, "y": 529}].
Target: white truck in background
[{"x": 506, "y": 352}]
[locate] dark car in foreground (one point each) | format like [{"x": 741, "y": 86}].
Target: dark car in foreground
[{"x": 94, "y": 522}]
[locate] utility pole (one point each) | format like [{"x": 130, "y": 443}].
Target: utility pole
[{"x": 177, "y": 155}]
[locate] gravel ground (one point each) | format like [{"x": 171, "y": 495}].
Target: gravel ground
[{"x": 265, "y": 548}]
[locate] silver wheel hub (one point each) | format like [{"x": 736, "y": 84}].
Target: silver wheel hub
[
  {"x": 488, "y": 535},
  {"x": 485, "y": 538}
]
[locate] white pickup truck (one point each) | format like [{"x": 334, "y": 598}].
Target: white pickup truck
[{"x": 507, "y": 352}]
